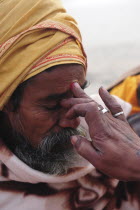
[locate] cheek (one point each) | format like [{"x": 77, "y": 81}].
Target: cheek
[{"x": 36, "y": 123}]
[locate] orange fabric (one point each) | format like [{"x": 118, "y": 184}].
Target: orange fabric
[{"x": 127, "y": 91}]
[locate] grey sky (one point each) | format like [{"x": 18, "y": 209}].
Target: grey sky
[
  {"x": 106, "y": 21},
  {"x": 111, "y": 37}
]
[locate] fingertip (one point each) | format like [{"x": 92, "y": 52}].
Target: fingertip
[
  {"x": 103, "y": 89},
  {"x": 100, "y": 90},
  {"x": 74, "y": 139},
  {"x": 103, "y": 92},
  {"x": 74, "y": 84}
]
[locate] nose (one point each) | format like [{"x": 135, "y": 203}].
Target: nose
[{"x": 65, "y": 122}]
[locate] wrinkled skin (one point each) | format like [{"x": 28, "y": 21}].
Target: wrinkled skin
[
  {"x": 40, "y": 112},
  {"x": 115, "y": 147},
  {"x": 37, "y": 131}
]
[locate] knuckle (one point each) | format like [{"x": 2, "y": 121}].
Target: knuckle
[
  {"x": 82, "y": 95},
  {"x": 70, "y": 102},
  {"x": 75, "y": 109},
  {"x": 76, "y": 106},
  {"x": 92, "y": 105}
]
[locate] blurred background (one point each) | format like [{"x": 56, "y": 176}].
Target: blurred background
[{"x": 111, "y": 37}]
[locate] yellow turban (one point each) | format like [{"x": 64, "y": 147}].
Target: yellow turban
[{"x": 35, "y": 35}]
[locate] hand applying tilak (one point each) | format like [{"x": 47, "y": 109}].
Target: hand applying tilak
[{"x": 115, "y": 147}]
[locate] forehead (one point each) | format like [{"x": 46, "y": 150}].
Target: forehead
[{"x": 57, "y": 80}]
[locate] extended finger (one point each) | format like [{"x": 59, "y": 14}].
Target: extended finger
[
  {"x": 83, "y": 110},
  {"x": 91, "y": 113},
  {"x": 86, "y": 149},
  {"x": 78, "y": 91},
  {"x": 111, "y": 103},
  {"x": 73, "y": 101}
]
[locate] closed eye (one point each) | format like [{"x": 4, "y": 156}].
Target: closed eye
[
  {"x": 85, "y": 85},
  {"x": 56, "y": 107}
]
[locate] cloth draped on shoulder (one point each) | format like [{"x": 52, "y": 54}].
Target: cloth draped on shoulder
[
  {"x": 35, "y": 35},
  {"x": 128, "y": 90}
]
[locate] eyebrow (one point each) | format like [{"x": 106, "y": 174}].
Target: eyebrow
[{"x": 62, "y": 95}]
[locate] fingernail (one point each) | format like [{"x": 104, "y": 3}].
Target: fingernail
[
  {"x": 103, "y": 88},
  {"x": 74, "y": 140},
  {"x": 74, "y": 84}
]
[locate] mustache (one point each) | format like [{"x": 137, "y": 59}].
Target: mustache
[
  {"x": 50, "y": 143},
  {"x": 53, "y": 142}
]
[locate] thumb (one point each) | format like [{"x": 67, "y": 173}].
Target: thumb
[{"x": 86, "y": 149}]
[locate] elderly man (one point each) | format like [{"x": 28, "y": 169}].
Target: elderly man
[
  {"x": 35, "y": 44},
  {"x": 41, "y": 58}
]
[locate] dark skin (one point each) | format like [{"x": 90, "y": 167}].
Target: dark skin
[
  {"x": 115, "y": 147},
  {"x": 40, "y": 112}
]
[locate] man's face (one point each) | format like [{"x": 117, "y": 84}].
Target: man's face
[{"x": 40, "y": 120}]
